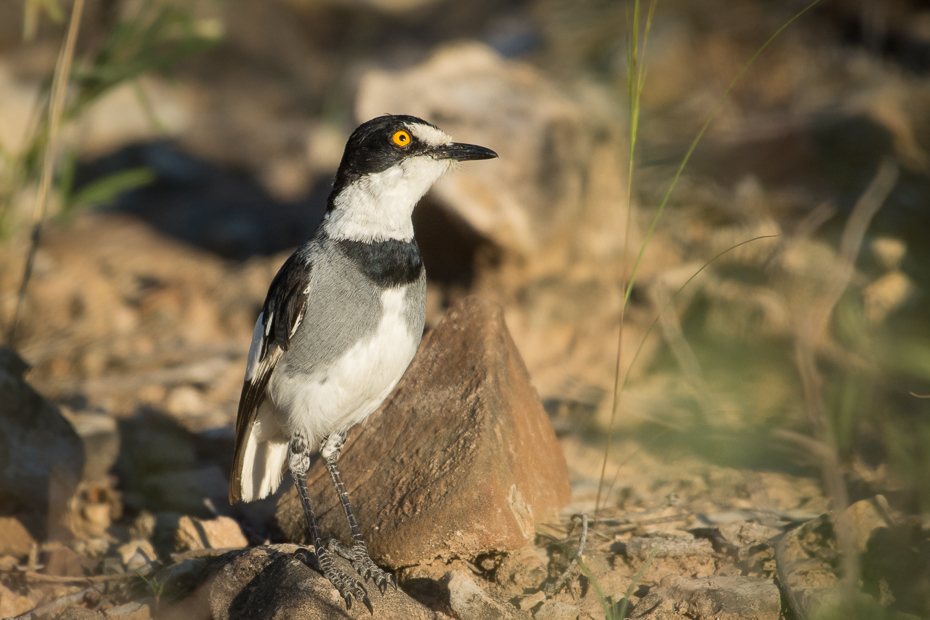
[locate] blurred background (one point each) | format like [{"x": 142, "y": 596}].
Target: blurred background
[{"x": 199, "y": 140}]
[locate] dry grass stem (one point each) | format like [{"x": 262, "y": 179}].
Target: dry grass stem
[
  {"x": 57, "y": 103},
  {"x": 811, "y": 331}
]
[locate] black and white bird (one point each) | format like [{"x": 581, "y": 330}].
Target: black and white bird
[{"x": 341, "y": 323}]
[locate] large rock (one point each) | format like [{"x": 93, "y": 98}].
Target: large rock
[
  {"x": 461, "y": 461},
  {"x": 560, "y": 151},
  {"x": 41, "y": 456},
  {"x": 275, "y": 583}
]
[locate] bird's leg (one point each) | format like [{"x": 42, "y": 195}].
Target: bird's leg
[
  {"x": 298, "y": 459},
  {"x": 357, "y": 554}
]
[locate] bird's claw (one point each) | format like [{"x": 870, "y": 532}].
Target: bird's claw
[
  {"x": 358, "y": 557},
  {"x": 349, "y": 587}
]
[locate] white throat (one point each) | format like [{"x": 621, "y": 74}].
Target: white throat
[{"x": 379, "y": 206}]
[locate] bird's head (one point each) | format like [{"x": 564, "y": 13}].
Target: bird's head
[{"x": 389, "y": 163}]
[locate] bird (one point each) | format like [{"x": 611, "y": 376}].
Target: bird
[{"x": 340, "y": 325}]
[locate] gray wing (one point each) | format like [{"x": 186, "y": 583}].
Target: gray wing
[{"x": 281, "y": 316}]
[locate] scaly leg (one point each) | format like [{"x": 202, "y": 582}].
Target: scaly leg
[
  {"x": 357, "y": 554},
  {"x": 348, "y": 587}
]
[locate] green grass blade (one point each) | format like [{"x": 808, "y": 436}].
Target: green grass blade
[
  {"x": 106, "y": 190},
  {"x": 697, "y": 139}
]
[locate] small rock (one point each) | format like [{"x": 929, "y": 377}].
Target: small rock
[
  {"x": 426, "y": 582},
  {"x": 461, "y": 461},
  {"x": 526, "y": 568},
  {"x": 889, "y": 252},
  {"x": 470, "y": 602},
  {"x": 184, "y": 400},
  {"x": 130, "y": 611},
  {"x": 81, "y": 613},
  {"x": 529, "y": 602},
  {"x": 640, "y": 547},
  {"x": 137, "y": 553},
  {"x": 556, "y": 610},
  {"x": 13, "y": 604},
  {"x": 15, "y": 539},
  {"x": 100, "y": 436},
  {"x": 41, "y": 457},
  {"x": 746, "y": 533},
  {"x": 886, "y": 295},
  {"x": 219, "y": 533},
  {"x": 868, "y": 515},
  {"x": 98, "y": 515},
  {"x": 276, "y": 579},
  {"x": 807, "y": 556},
  {"x": 143, "y": 526},
  {"x": 711, "y": 598}
]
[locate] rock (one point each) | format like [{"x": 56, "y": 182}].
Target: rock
[
  {"x": 530, "y": 601},
  {"x": 130, "y": 611},
  {"x": 556, "y": 610},
  {"x": 99, "y": 433},
  {"x": 427, "y": 582},
  {"x": 524, "y": 569},
  {"x": 808, "y": 556},
  {"x": 887, "y": 294},
  {"x": 640, "y": 547},
  {"x": 219, "y": 533},
  {"x": 41, "y": 457},
  {"x": 751, "y": 541},
  {"x": 746, "y": 533},
  {"x": 470, "y": 602},
  {"x": 868, "y": 515},
  {"x": 461, "y": 461},
  {"x": 711, "y": 598},
  {"x": 558, "y": 154},
  {"x": 15, "y": 539},
  {"x": 137, "y": 553},
  {"x": 888, "y": 252},
  {"x": 184, "y": 400},
  {"x": 97, "y": 517},
  {"x": 274, "y": 582},
  {"x": 13, "y": 604},
  {"x": 81, "y": 613}
]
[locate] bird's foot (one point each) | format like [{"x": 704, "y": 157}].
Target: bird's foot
[
  {"x": 358, "y": 556},
  {"x": 348, "y": 586}
]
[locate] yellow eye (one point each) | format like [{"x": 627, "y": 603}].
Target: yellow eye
[{"x": 401, "y": 138}]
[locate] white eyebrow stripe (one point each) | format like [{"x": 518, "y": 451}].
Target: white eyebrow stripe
[{"x": 429, "y": 135}]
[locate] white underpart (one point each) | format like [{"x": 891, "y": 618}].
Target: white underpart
[
  {"x": 378, "y": 206},
  {"x": 265, "y": 452},
  {"x": 355, "y": 384}
]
